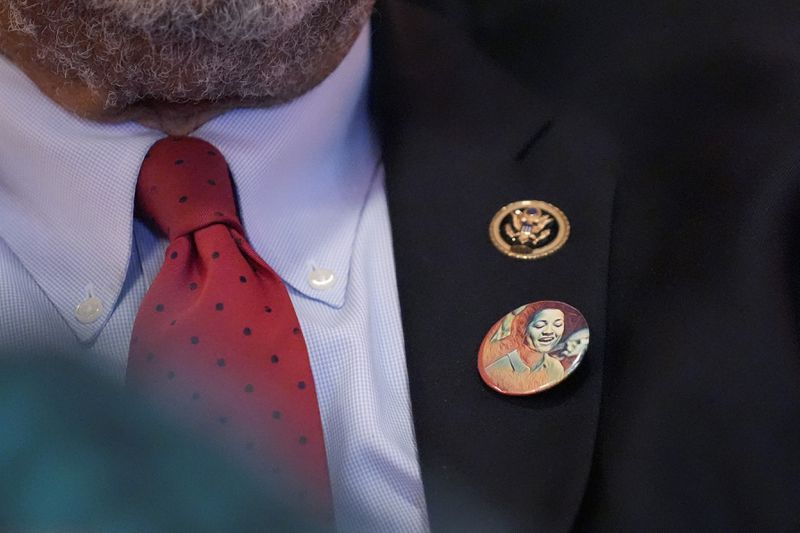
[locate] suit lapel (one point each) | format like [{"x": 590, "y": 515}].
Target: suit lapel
[{"x": 460, "y": 141}]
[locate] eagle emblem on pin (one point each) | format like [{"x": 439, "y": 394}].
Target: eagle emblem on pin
[{"x": 529, "y": 229}]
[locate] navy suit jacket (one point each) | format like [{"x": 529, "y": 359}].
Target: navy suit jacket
[{"x": 683, "y": 257}]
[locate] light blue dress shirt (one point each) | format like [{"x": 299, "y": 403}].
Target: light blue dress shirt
[{"x": 312, "y": 200}]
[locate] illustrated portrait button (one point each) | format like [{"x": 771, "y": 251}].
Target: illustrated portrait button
[
  {"x": 529, "y": 229},
  {"x": 533, "y": 348}
]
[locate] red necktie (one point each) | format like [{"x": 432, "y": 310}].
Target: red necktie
[{"x": 216, "y": 337}]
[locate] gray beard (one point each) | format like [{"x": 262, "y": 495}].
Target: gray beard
[{"x": 185, "y": 51}]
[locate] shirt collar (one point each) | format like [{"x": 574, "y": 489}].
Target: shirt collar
[{"x": 302, "y": 172}]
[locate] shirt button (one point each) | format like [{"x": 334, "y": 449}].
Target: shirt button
[
  {"x": 89, "y": 310},
  {"x": 321, "y": 278}
]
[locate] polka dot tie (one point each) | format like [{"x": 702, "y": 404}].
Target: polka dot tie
[{"x": 216, "y": 338}]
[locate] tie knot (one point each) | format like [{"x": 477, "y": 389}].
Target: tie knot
[{"x": 184, "y": 185}]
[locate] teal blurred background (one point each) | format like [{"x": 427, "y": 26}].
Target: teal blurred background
[{"x": 78, "y": 454}]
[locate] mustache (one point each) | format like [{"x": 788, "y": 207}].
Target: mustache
[{"x": 211, "y": 20}]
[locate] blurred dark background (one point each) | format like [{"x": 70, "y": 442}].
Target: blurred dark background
[
  {"x": 541, "y": 41},
  {"x": 607, "y": 54}
]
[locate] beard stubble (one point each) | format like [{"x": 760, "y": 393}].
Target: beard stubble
[{"x": 190, "y": 51}]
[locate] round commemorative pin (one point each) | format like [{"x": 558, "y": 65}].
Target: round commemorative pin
[{"x": 533, "y": 348}]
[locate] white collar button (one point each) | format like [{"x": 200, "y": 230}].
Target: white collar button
[
  {"x": 89, "y": 310},
  {"x": 321, "y": 278}
]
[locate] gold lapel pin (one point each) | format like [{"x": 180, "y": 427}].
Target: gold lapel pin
[{"x": 529, "y": 229}]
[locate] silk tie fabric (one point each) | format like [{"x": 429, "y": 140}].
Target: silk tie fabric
[{"x": 216, "y": 337}]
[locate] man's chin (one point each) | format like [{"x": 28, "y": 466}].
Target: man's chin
[
  {"x": 182, "y": 118},
  {"x": 113, "y": 78}
]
